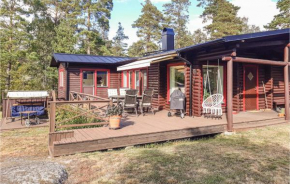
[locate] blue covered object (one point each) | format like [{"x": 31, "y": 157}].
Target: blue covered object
[{"x": 15, "y": 110}]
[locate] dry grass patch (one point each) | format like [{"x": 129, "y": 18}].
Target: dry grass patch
[
  {"x": 24, "y": 143},
  {"x": 256, "y": 156}
]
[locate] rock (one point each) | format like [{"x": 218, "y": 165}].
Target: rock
[{"x": 30, "y": 172}]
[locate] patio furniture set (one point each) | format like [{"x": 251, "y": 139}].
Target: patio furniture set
[{"x": 129, "y": 99}]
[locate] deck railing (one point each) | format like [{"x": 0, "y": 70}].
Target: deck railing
[
  {"x": 81, "y": 112},
  {"x": 83, "y": 96},
  {"x": 95, "y": 109}
]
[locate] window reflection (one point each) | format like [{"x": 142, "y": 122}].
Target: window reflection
[{"x": 177, "y": 79}]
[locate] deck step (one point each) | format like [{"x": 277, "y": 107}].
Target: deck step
[{"x": 257, "y": 124}]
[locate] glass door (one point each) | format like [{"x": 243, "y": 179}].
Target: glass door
[{"x": 88, "y": 84}]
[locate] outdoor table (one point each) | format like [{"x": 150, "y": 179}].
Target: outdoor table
[
  {"x": 28, "y": 114},
  {"x": 120, "y": 97}
]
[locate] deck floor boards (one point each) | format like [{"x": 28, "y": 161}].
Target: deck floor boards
[{"x": 146, "y": 129}]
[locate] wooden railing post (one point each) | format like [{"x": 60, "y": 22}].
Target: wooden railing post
[{"x": 52, "y": 117}]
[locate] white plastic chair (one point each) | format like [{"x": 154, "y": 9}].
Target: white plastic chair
[
  {"x": 123, "y": 91},
  {"x": 112, "y": 92},
  {"x": 213, "y": 105}
]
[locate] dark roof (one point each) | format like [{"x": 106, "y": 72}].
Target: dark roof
[
  {"x": 88, "y": 59},
  {"x": 226, "y": 39},
  {"x": 78, "y": 58},
  {"x": 234, "y": 38}
]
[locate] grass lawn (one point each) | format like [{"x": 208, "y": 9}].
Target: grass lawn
[{"x": 256, "y": 156}]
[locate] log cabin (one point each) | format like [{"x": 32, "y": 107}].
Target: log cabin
[{"x": 254, "y": 72}]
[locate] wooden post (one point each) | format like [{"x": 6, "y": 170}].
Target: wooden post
[
  {"x": 230, "y": 95},
  {"x": 52, "y": 117},
  {"x": 286, "y": 81},
  {"x": 53, "y": 95}
]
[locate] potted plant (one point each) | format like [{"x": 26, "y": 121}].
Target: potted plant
[{"x": 115, "y": 114}]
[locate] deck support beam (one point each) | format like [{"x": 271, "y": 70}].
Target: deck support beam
[
  {"x": 286, "y": 81},
  {"x": 230, "y": 95}
]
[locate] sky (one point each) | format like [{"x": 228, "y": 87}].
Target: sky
[{"x": 259, "y": 13}]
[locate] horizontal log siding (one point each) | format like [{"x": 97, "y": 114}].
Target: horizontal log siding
[
  {"x": 153, "y": 83},
  {"x": 163, "y": 86},
  {"x": 61, "y": 92},
  {"x": 197, "y": 90},
  {"x": 237, "y": 88},
  {"x": 278, "y": 83},
  {"x": 74, "y": 80},
  {"x": 265, "y": 76},
  {"x": 187, "y": 87}
]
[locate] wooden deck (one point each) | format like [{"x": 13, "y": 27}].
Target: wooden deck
[{"x": 151, "y": 128}]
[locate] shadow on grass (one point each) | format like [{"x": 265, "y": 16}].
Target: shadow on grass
[{"x": 218, "y": 160}]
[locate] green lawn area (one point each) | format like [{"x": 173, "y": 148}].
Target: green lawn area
[{"x": 255, "y": 156}]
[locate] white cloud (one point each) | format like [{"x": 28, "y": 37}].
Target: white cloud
[
  {"x": 259, "y": 12},
  {"x": 195, "y": 23}
]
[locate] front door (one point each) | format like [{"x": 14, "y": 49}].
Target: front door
[
  {"x": 250, "y": 88},
  {"x": 88, "y": 82}
]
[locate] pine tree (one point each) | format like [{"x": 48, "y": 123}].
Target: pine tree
[
  {"x": 176, "y": 17},
  {"x": 282, "y": 20},
  {"x": 223, "y": 17},
  {"x": 199, "y": 36},
  {"x": 13, "y": 38},
  {"x": 95, "y": 26},
  {"x": 119, "y": 46},
  {"x": 137, "y": 49},
  {"x": 249, "y": 28},
  {"x": 149, "y": 25}
]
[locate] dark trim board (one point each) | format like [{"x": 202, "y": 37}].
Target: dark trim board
[{"x": 130, "y": 140}]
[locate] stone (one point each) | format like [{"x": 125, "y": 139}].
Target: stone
[{"x": 30, "y": 172}]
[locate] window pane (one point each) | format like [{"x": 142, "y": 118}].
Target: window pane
[
  {"x": 88, "y": 78},
  {"x": 137, "y": 79},
  {"x": 61, "y": 79},
  {"x": 145, "y": 79},
  {"x": 124, "y": 79},
  {"x": 130, "y": 78},
  {"x": 102, "y": 78},
  {"x": 177, "y": 78},
  {"x": 216, "y": 83}
]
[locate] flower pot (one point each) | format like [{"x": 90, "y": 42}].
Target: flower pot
[{"x": 115, "y": 122}]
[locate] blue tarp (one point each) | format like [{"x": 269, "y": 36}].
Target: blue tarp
[{"x": 15, "y": 110}]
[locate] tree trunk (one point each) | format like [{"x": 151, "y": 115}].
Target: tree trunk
[
  {"x": 8, "y": 78},
  {"x": 88, "y": 38}
]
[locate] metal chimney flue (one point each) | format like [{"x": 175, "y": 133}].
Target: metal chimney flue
[{"x": 167, "y": 39}]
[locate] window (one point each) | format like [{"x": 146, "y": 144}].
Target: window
[
  {"x": 125, "y": 79},
  {"x": 176, "y": 79},
  {"x": 130, "y": 79},
  {"x": 102, "y": 78},
  {"x": 144, "y": 72},
  {"x": 61, "y": 78},
  {"x": 88, "y": 78},
  {"x": 216, "y": 86},
  {"x": 137, "y": 82}
]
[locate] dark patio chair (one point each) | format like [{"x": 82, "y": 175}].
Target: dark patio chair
[
  {"x": 130, "y": 101},
  {"x": 146, "y": 101}
]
